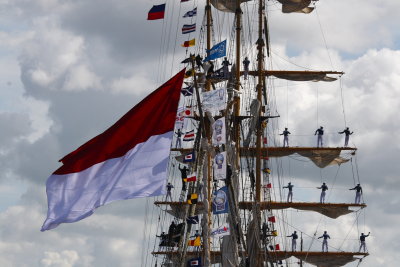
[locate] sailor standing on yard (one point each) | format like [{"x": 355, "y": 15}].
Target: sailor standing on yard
[
  {"x": 163, "y": 239},
  {"x": 246, "y": 63},
  {"x": 178, "y": 139},
  {"x": 169, "y": 187},
  {"x": 320, "y": 133},
  {"x": 184, "y": 172},
  {"x": 358, "y": 189},
  {"x": 362, "y": 241},
  {"x": 290, "y": 193},
  {"x": 225, "y": 67},
  {"x": 199, "y": 61},
  {"x": 294, "y": 237},
  {"x": 285, "y": 134},
  {"x": 347, "y": 135},
  {"x": 325, "y": 241},
  {"x": 323, "y": 188}
]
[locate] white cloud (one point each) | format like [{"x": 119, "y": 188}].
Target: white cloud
[
  {"x": 66, "y": 258},
  {"x": 85, "y": 64},
  {"x": 130, "y": 85},
  {"x": 81, "y": 78}
]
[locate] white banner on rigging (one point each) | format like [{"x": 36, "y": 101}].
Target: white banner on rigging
[
  {"x": 215, "y": 100},
  {"x": 220, "y": 166},
  {"x": 221, "y": 230},
  {"x": 219, "y": 132}
]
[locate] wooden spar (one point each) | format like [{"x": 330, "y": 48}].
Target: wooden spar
[
  {"x": 280, "y": 72},
  {"x": 277, "y": 255},
  {"x": 283, "y": 151},
  {"x": 209, "y": 170},
  {"x": 277, "y": 151},
  {"x": 208, "y": 32},
  {"x": 260, "y": 68},
  {"x": 237, "y": 85},
  {"x": 331, "y": 210}
]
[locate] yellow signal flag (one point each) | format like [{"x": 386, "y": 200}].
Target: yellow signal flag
[
  {"x": 189, "y": 43},
  {"x": 274, "y": 233},
  {"x": 195, "y": 242},
  {"x": 267, "y": 170},
  {"x": 192, "y": 199}
]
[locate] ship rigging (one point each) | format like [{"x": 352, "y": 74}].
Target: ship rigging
[{"x": 227, "y": 206}]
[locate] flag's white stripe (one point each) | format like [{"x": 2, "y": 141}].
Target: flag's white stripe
[{"x": 141, "y": 172}]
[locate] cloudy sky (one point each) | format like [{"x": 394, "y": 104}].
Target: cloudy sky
[{"x": 69, "y": 69}]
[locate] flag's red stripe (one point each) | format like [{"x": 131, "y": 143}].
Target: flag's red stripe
[
  {"x": 154, "y": 115},
  {"x": 155, "y": 15}
]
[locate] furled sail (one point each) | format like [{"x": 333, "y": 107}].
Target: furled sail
[
  {"x": 299, "y": 6},
  {"x": 253, "y": 237},
  {"x": 300, "y": 77},
  {"x": 254, "y": 110},
  {"x": 226, "y": 5},
  {"x": 328, "y": 260},
  {"x": 321, "y": 157},
  {"x": 331, "y": 210},
  {"x": 229, "y": 256}
]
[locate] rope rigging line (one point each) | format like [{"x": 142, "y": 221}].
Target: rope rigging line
[
  {"x": 323, "y": 35},
  {"x": 342, "y": 100},
  {"x": 169, "y": 35},
  {"x": 317, "y": 106},
  {"x": 358, "y": 177},
  {"x": 355, "y": 222},
  {"x": 334, "y": 182},
  {"x": 288, "y": 61},
  {"x": 321, "y": 216},
  {"x": 161, "y": 54},
  {"x": 176, "y": 38},
  {"x": 144, "y": 239}
]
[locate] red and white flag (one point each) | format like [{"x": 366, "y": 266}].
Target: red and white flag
[
  {"x": 128, "y": 160},
  {"x": 191, "y": 178},
  {"x": 189, "y": 136}
]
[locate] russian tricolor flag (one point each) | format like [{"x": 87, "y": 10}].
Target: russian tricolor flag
[
  {"x": 156, "y": 12},
  {"x": 128, "y": 160}
]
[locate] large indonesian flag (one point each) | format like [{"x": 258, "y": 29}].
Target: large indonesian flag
[{"x": 128, "y": 160}]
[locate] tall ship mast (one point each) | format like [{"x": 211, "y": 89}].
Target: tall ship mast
[{"x": 226, "y": 201}]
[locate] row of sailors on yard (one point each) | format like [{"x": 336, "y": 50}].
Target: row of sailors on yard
[
  {"x": 225, "y": 66},
  {"x": 265, "y": 233},
  {"x": 324, "y": 188},
  {"x": 184, "y": 172},
  {"x": 325, "y": 237},
  {"x": 167, "y": 239},
  {"x": 319, "y": 133}
]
